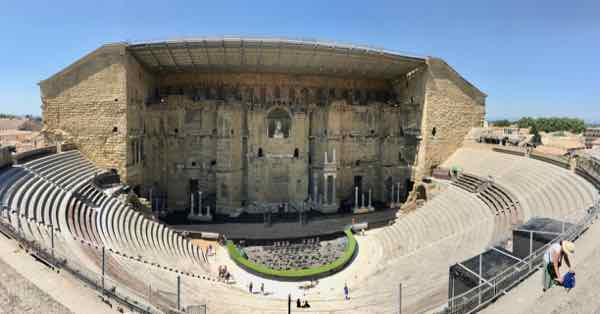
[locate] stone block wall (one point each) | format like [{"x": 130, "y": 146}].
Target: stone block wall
[
  {"x": 452, "y": 106},
  {"x": 86, "y": 104},
  {"x": 166, "y": 131}
]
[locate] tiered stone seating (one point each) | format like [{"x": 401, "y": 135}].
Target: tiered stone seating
[
  {"x": 56, "y": 191},
  {"x": 500, "y": 201},
  {"x": 415, "y": 251},
  {"x": 448, "y": 214},
  {"x": 540, "y": 188}
]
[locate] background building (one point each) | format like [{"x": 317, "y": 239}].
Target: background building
[
  {"x": 22, "y": 133},
  {"x": 590, "y": 135}
]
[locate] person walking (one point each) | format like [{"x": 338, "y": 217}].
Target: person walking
[
  {"x": 346, "y": 292},
  {"x": 553, "y": 258},
  {"x": 262, "y": 288},
  {"x": 250, "y": 287}
]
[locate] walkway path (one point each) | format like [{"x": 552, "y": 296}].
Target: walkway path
[{"x": 29, "y": 286}]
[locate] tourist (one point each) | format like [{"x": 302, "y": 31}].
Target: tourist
[
  {"x": 298, "y": 304},
  {"x": 250, "y": 287},
  {"x": 262, "y": 288},
  {"x": 305, "y": 305},
  {"x": 553, "y": 259},
  {"x": 346, "y": 292}
]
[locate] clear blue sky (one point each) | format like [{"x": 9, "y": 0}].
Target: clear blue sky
[{"x": 538, "y": 58}]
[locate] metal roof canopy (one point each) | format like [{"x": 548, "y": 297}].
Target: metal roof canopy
[{"x": 272, "y": 55}]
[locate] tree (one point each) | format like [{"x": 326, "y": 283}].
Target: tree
[
  {"x": 536, "y": 139},
  {"x": 501, "y": 123}
]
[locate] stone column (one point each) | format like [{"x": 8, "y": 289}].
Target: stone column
[
  {"x": 315, "y": 186},
  {"x": 192, "y": 203},
  {"x": 370, "y": 198},
  {"x": 356, "y": 196},
  {"x": 199, "y": 202},
  {"x": 398, "y": 193},
  {"x": 325, "y": 189},
  {"x": 362, "y": 200},
  {"x": 333, "y": 199},
  {"x": 392, "y": 194}
]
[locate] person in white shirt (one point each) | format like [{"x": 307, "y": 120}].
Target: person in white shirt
[{"x": 553, "y": 258}]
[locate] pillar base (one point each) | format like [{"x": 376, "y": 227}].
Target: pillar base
[
  {"x": 328, "y": 208},
  {"x": 200, "y": 217},
  {"x": 363, "y": 209}
]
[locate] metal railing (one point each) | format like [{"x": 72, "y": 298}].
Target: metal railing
[
  {"x": 109, "y": 288},
  {"x": 473, "y": 300}
]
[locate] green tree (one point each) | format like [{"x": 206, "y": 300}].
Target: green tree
[{"x": 501, "y": 123}]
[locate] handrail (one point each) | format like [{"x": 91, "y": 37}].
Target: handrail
[{"x": 471, "y": 300}]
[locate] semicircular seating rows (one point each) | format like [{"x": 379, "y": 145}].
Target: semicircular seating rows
[
  {"x": 417, "y": 250},
  {"x": 500, "y": 201},
  {"x": 541, "y": 189},
  {"x": 55, "y": 194},
  {"x": 458, "y": 223}
]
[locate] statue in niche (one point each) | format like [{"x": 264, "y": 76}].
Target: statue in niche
[
  {"x": 278, "y": 132},
  {"x": 279, "y": 123}
]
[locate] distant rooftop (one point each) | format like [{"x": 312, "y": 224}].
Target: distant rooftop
[{"x": 278, "y": 55}]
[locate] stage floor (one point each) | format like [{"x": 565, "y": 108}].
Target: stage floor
[{"x": 316, "y": 226}]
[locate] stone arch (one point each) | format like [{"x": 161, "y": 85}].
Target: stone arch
[{"x": 279, "y": 123}]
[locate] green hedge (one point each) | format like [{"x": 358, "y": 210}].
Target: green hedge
[{"x": 235, "y": 254}]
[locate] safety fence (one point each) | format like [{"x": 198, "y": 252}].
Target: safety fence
[
  {"x": 107, "y": 277},
  {"x": 489, "y": 290}
]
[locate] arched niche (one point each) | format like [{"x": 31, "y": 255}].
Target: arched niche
[{"x": 279, "y": 124}]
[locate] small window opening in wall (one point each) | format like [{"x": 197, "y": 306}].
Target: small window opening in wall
[
  {"x": 260, "y": 152},
  {"x": 400, "y": 156},
  {"x": 176, "y": 130},
  {"x": 115, "y": 129},
  {"x": 296, "y": 153},
  {"x": 232, "y": 132},
  {"x": 412, "y": 99},
  {"x": 372, "y": 131},
  {"x": 213, "y": 162},
  {"x": 309, "y": 159},
  {"x": 193, "y": 164},
  {"x": 116, "y": 99},
  {"x": 433, "y": 131},
  {"x": 357, "y": 163}
]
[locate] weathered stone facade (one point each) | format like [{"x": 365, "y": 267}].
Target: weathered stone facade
[{"x": 258, "y": 138}]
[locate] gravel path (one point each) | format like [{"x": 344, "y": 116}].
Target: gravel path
[{"x": 19, "y": 295}]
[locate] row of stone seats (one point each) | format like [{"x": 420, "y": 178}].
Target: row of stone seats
[
  {"x": 37, "y": 194},
  {"x": 451, "y": 227},
  {"x": 500, "y": 201},
  {"x": 448, "y": 214},
  {"x": 134, "y": 235},
  {"x": 541, "y": 189}
]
